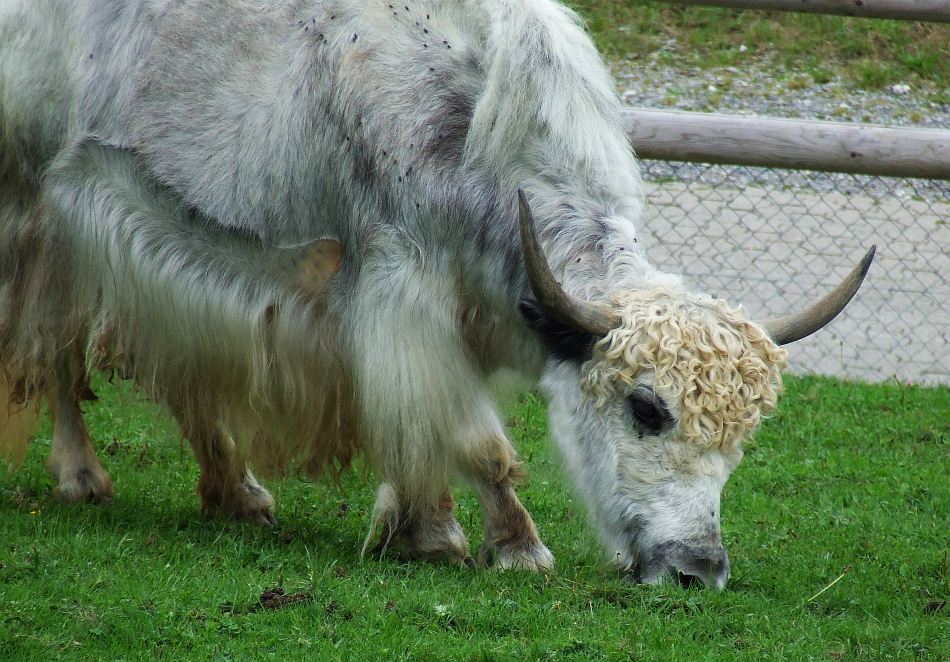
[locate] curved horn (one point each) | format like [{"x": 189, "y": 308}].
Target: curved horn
[
  {"x": 597, "y": 319},
  {"x": 794, "y": 327}
]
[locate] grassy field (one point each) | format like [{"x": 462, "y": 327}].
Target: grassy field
[
  {"x": 865, "y": 52},
  {"x": 836, "y": 524}
]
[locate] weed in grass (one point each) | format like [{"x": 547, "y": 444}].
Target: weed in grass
[
  {"x": 820, "y": 74},
  {"x": 942, "y": 98},
  {"x": 799, "y": 82},
  {"x": 872, "y": 74}
]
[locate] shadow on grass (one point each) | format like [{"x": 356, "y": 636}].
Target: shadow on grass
[{"x": 156, "y": 522}]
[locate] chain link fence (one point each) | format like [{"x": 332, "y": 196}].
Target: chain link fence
[{"x": 775, "y": 239}]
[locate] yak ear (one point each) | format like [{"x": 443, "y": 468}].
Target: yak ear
[{"x": 561, "y": 341}]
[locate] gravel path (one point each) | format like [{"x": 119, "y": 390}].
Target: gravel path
[{"x": 761, "y": 88}]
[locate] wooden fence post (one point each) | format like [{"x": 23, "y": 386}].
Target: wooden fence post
[{"x": 787, "y": 143}]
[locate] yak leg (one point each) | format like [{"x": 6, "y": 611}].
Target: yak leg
[
  {"x": 410, "y": 377},
  {"x": 418, "y": 533},
  {"x": 72, "y": 459},
  {"x": 511, "y": 539},
  {"x": 226, "y": 486},
  {"x": 425, "y": 416}
]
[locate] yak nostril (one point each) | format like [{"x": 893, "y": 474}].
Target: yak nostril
[
  {"x": 712, "y": 572},
  {"x": 687, "y": 581},
  {"x": 709, "y": 569}
]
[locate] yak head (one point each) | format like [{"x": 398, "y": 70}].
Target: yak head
[{"x": 651, "y": 396}]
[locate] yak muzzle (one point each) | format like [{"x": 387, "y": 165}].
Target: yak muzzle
[{"x": 686, "y": 564}]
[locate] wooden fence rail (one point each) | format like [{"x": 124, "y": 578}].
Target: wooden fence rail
[
  {"x": 787, "y": 143},
  {"x": 932, "y": 11}
]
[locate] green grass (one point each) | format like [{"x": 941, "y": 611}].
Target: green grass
[
  {"x": 845, "y": 480},
  {"x": 867, "y": 53}
]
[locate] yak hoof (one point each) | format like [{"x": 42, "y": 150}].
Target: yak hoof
[
  {"x": 434, "y": 537},
  {"x": 439, "y": 540},
  {"x": 518, "y": 555},
  {"x": 246, "y": 501},
  {"x": 86, "y": 484},
  {"x": 252, "y": 503}
]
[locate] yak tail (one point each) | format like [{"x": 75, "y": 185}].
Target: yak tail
[{"x": 17, "y": 423}]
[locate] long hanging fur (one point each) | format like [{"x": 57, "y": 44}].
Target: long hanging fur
[
  {"x": 17, "y": 423},
  {"x": 23, "y": 372},
  {"x": 225, "y": 330}
]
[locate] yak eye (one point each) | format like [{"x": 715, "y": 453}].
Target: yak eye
[{"x": 648, "y": 411}]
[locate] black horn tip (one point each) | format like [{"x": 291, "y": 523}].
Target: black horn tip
[{"x": 867, "y": 260}]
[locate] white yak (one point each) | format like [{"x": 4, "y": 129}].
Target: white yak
[{"x": 296, "y": 224}]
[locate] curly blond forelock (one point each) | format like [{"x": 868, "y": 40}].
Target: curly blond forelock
[{"x": 724, "y": 371}]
